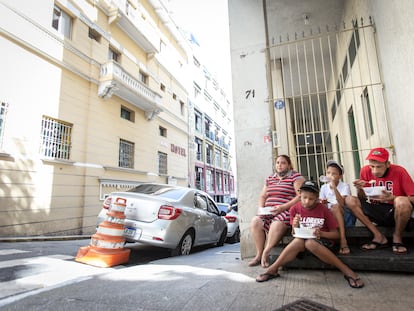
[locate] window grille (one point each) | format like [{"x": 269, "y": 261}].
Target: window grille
[
  {"x": 56, "y": 138},
  {"x": 162, "y": 163},
  {"x": 126, "y": 154}
]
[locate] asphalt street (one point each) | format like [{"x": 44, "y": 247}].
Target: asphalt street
[{"x": 214, "y": 278}]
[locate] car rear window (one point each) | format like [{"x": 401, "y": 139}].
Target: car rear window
[
  {"x": 160, "y": 191},
  {"x": 222, "y": 208}
]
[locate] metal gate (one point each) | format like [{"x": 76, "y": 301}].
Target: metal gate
[{"x": 327, "y": 96}]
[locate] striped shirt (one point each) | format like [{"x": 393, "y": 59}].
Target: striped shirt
[{"x": 281, "y": 190}]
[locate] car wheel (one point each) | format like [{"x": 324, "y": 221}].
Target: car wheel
[
  {"x": 235, "y": 238},
  {"x": 222, "y": 237},
  {"x": 185, "y": 245}
]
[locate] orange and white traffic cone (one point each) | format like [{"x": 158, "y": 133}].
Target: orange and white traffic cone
[{"x": 107, "y": 244}]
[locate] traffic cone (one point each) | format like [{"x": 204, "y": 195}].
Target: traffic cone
[{"x": 106, "y": 248}]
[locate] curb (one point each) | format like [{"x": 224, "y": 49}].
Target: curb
[{"x": 44, "y": 238}]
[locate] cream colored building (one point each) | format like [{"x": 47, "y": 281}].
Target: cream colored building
[
  {"x": 94, "y": 98},
  {"x": 318, "y": 80},
  {"x": 89, "y": 86}
]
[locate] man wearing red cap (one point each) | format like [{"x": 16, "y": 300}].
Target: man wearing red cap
[{"x": 391, "y": 208}]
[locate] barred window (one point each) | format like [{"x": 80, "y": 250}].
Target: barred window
[
  {"x": 126, "y": 154},
  {"x": 3, "y": 111},
  {"x": 162, "y": 163},
  {"x": 55, "y": 138}
]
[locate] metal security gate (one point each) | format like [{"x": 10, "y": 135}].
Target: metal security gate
[{"x": 327, "y": 96}]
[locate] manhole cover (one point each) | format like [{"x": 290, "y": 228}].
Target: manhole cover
[{"x": 305, "y": 305}]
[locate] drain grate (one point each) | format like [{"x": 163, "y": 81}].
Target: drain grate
[{"x": 305, "y": 305}]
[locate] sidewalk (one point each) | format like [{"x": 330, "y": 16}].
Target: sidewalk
[{"x": 217, "y": 279}]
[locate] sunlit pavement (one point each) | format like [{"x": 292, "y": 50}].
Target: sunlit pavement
[{"x": 217, "y": 279}]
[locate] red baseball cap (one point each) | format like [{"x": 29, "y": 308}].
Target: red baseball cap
[{"x": 378, "y": 154}]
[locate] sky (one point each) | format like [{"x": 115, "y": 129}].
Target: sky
[{"x": 208, "y": 21}]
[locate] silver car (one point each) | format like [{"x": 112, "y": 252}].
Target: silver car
[
  {"x": 233, "y": 220},
  {"x": 168, "y": 216}
]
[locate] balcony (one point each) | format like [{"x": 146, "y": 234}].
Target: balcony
[
  {"x": 135, "y": 22},
  {"x": 115, "y": 80}
]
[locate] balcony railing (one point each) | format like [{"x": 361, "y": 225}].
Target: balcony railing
[
  {"x": 115, "y": 80},
  {"x": 135, "y": 21}
]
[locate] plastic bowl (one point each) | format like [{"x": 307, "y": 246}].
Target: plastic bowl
[
  {"x": 304, "y": 231},
  {"x": 374, "y": 191}
]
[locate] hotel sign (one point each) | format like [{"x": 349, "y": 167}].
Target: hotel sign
[{"x": 178, "y": 150}]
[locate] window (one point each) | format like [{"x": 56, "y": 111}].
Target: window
[
  {"x": 197, "y": 91},
  {"x": 55, "y": 138},
  {"x": 226, "y": 183},
  {"x": 182, "y": 108},
  {"x": 163, "y": 131},
  {"x": 219, "y": 181},
  {"x": 199, "y": 178},
  {"x": 126, "y": 154},
  {"x": 199, "y": 151},
  {"x": 174, "y": 96},
  {"x": 198, "y": 122},
  {"x": 366, "y": 107},
  {"x": 162, "y": 87},
  {"x": 3, "y": 111},
  {"x": 113, "y": 55},
  {"x": 217, "y": 159},
  {"x": 209, "y": 180},
  {"x": 162, "y": 163},
  {"x": 143, "y": 77},
  {"x": 93, "y": 34},
  {"x": 62, "y": 22},
  {"x": 209, "y": 153},
  {"x": 127, "y": 114}
]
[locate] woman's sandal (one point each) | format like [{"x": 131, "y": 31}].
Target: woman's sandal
[
  {"x": 253, "y": 263},
  {"x": 266, "y": 277},
  {"x": 353, "y": 282}
]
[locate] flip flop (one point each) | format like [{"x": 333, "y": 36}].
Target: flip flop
[
  {"x": 344, "y": 250},
  {"x": 353, "y": 282},
  {"x": 399, "y": 249},
  {"x": 373, "y": 245},
  {"x": 266, "y": 277}
]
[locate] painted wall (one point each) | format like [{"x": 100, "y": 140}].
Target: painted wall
[
  {"x": 395, "y": 26},
  {"x": 252, "y": 116}
]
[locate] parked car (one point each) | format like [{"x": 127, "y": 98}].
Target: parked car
[
  {"x": 168, "y": 216},
  {"x": 233, "y": 220}
]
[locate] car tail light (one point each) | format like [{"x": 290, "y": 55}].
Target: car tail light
[
  {"x": 107, "y": 202},
  {"x": 230, "y": 218},
  {"x": 168, "y": 212}
]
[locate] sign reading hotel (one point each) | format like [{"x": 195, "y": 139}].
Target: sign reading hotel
[{"x": 178, "y": 150}]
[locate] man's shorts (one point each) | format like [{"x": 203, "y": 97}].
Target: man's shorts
[{"x": 380, "y": 213}]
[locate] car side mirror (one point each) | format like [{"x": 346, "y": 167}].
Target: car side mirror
[{"x": 223, "y": 213}]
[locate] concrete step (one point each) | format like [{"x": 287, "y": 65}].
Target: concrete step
[{"x": 374, "y": 260}]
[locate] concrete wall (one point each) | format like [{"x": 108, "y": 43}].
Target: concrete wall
[{"x": 252, "y": 115}]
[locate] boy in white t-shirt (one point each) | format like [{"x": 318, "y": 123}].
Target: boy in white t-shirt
[{"x": 333, "y": 194}]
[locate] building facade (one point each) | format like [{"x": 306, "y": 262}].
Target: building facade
[
  {"x": 94, "y": 98},
  {"x": 325, "y": 80},
  {"x": 212, "y": 133}
]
